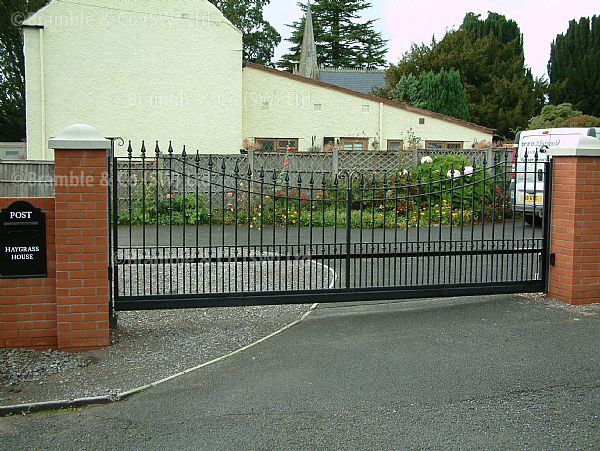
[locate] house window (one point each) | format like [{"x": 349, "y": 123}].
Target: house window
[
  {"x": 454, "y": 145},
  {"x": 277, "y": 144},
  {"x": 439, "y": 145},
  {"x": 354, "y": 143},
  {"x": 395, "y": 145}
]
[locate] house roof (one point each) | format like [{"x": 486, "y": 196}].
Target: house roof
[
  {"x": 356, "y": 80},
  {"x": 372, "y": 98}
]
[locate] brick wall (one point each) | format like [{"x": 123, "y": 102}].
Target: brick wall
[
  {"x": 67, "y": 310},
  {"x": 575, "y": 230},
  {"x": 28, "y": 306}
]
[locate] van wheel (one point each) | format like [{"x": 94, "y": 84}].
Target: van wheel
[{"x": 529, "y": 219}]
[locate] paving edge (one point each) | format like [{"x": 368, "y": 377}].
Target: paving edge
[{"x": 116, "y": 397}]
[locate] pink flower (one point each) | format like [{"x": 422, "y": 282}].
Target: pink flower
[
  {"x": 229, "y": 194},
  {"x": 285, "y": 162},
  {"x": 303, "y": 196},
  {"x": 169, "y": 196}
]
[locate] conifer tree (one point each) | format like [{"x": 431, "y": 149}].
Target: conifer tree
[
  {"x": 574, "y": 66},
  {"x": 342, "y": 40},
  {"x": 441, "y": 92},
  {"x": 501, "y": 91}
]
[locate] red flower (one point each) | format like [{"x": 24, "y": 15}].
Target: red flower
[{"x": 285, "y": 162}]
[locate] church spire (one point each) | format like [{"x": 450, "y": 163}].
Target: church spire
[{"x": 308, "y": 57}]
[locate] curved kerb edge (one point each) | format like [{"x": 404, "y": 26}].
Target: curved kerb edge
[{"x": 116, "y": 397}]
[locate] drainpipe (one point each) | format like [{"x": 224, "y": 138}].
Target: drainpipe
[
  {"x": 43, "y": 95},
  {"x": 381, "y": 125}
]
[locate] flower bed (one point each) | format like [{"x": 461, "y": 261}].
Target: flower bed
[{"x": 443, "y": 190}]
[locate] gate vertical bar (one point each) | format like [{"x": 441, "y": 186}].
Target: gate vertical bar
[
  {"x": 114, "y": 231},
  {"x": 111, "y": 302},
  {"x": 546, "y": 223},
  {"x": 348, "y": 227}
]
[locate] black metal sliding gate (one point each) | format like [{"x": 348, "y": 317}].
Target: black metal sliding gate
[{"x": 191, "y": 230}]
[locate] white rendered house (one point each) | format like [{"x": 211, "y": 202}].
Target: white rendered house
[{"x": 172, "y": 71}]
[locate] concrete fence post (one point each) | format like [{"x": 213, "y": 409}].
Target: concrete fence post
[
  {"x": 251, "y": 160},
  {"x": 489, "y": 155},
  {"x": 81, "y": 230},
  {"x": 335, "y": 161},
  {"x": 415, "y": 156},
  {"x": 574, "y": 273}
]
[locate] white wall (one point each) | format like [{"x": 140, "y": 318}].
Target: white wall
[
  {"x": 276, "y": 106},
  {"x": 139, "y": 69}
]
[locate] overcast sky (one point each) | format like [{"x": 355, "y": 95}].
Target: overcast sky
[{"x": 403, "y": 22}]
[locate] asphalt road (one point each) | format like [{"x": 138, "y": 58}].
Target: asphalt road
[{"x": 500, "y": 372}]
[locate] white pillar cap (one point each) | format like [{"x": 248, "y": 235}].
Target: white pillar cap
[
  {"x": 79, "y": 137},
  {"x": 576, "y": 146}
]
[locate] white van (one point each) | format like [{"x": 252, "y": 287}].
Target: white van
[{"x": 527, "y": 190}]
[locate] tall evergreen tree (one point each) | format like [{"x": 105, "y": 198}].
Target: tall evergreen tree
[
  {"x": 12, "y": 67},
  {"x": 259, "y": 36},
  {"x": 441, "y": 92},
  {"x": 574, "y": 66},
  {"x": 444, "y": 93},
  {"x": 342, "y": 40},
  {"x": 407, "y": 90},
  {"x": 501, "y": 91}
]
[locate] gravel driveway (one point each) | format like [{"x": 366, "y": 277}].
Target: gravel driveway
[{"x": 146, "y": 347}]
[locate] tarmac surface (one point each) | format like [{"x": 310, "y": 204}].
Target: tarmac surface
[{"x": 492, "y": 372}]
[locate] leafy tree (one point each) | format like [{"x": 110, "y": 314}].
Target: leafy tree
[
  {"x": 562, "y": 115},
  {"x": 573, "y": 66},
  {"x": 501, "y": 91},
  {"x": 12, "y": 67},
  {"x": 260, "y": 38},
  {"x": 341, "y": 40}
]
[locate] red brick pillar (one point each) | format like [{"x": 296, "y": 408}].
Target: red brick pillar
[
  {"x": 575, "y": 224},
  {"x": 81, "y": 230}
]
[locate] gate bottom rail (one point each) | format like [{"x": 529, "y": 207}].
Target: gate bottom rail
[{"x": 171, "y": 301}]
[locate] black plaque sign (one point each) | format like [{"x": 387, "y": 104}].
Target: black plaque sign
[{"x": 22, "y": 242}]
